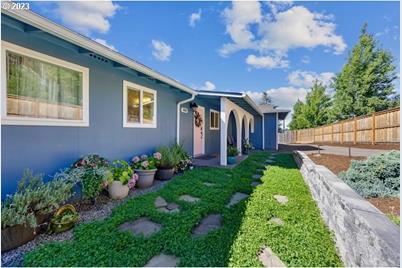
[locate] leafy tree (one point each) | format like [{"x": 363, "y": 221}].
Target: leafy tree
[
  {"x": 314, "y": 112},
  {"x": 365, "y": 83},
  {"x": 266, "y": 99}
]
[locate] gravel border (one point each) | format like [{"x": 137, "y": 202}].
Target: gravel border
[{"x": 14, "y": 258}]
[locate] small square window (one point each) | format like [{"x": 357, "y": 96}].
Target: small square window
[
  {"x": 214, "y": 120},
  {"x": 139, "y": 105}
]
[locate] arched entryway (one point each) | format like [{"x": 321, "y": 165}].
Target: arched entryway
[{"x": 232, "y": 130}]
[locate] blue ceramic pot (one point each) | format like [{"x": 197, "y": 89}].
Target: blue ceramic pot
[{"x": 231, "y": 160}]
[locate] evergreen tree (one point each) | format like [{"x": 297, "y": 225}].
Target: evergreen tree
[
  {"x": 265, "y": 98},
  {"x": 314, "y": 112},
  {"x": 365, "y": 83}
]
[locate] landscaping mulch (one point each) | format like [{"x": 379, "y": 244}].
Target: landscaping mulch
[
  {"x": 388, "y": 205},
  {"x": 379, "y": 146},
  {"x": 335, "y": 163}
]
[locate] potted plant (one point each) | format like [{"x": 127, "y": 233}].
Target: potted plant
[
  {"x": 145, "y": 167},
  {"x": 29, "y": 207},
  {"x": 122, "y": 181},
  {"x": 232, "y": 152},
  {"x": 92, "y": 173},
  {"x": 247, "y": 145},
  {"x": 166, "y": 165},
  {"x": 185, "y": 160},
  {"x": 64, "y": 219}
]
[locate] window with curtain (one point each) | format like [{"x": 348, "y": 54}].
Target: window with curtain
[
  {"x": 139, "y": 106},
  {"x": 38, "y": 89},
  {"x": 214, "y": 120}
]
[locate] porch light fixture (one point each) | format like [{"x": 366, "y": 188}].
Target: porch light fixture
[{"x": 193, "y": 106}]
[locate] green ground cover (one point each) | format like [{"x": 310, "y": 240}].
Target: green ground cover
[{"x": 302, "y": 241}]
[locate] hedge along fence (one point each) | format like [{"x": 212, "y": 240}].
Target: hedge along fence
[{"x": 379, "y": 127}]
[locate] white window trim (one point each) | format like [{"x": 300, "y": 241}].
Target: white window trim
[
  {"x": 28, "y": 121},
  {"x": 210, "y": 119},
  {"x": 141, "y": 88}
]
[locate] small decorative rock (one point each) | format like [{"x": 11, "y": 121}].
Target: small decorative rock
[
  {"x": 189, "y": 198},
  {"x": 236, "y": 198},
  {"x": 209, "y": 184},
  {"x": 142, "y": 226},
  {"x": 209, "y": 223},
  {"x": 281, "y": 199},
  {"x": 172, "y": 206},
  {"x": 255, "y": 183},
  {"x": 160, "y": 202},
  {"x": 269, "y": 259},
  {"x": 257, "y": 176},
  {"x": 163, "y": 260},
  {"x": 276, "y": 221}
]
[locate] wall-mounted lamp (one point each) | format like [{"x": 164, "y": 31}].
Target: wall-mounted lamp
[{"x": 193, "y": 106}]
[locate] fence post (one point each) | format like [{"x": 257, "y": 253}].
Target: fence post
[
  {"x": 341, "y": 132},
  {"x": 373, "y": 130},
  {"x": 355, "y": 129},
  {"x": 332, "y": 133}
]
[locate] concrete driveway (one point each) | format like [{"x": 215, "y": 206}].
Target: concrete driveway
[{"x": 325, "y": 149}]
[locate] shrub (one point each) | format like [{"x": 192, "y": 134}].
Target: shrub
[
  {"x": 92, "y": 171},
  {"x": 378, "y": 176},
  {"x": 232, "y": 151},
  {"x": 170, "y": 157},
  {"x": 34, "y": 197},
  {"x": 122, "y": 172}
]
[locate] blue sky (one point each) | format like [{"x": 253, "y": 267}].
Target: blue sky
[{"x": 279, "y": 47}]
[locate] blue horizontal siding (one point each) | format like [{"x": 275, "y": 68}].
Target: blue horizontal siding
[
  {"x": 45, "y": 149},
  {"x": 270, "y": 125}
]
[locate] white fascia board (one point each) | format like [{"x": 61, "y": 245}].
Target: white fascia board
[{"x": 48, "y": 26}]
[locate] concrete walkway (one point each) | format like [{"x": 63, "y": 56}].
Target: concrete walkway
[{"x": 325, "y": 149}]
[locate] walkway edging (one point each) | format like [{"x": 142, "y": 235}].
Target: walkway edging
[{"x": 363, "y": 234}]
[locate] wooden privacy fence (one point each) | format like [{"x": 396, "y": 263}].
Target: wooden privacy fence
[{"x": 379, "y": 127}]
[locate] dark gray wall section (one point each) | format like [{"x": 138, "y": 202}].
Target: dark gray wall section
[
  {"x": 270, "y": 131},
  {"x": 47, "y": 149}
]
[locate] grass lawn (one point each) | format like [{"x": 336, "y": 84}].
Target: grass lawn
[{"x": 302, "y": 241}]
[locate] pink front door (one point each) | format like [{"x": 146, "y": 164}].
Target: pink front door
[{"x": 199, "y": 131}]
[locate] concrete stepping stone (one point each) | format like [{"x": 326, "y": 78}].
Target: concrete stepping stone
[
  {"x": 209, "y": 223},
  {"x": 170, "y": 208},
  {"x": 208, "y": 184},
  {"x": 189, "y": 198},
  {"x": 269, "y": 259},
  {"x": 276, "y": 221},
  {"x": 257, "y": 176},
  {"x": 236, "y": 198},
  {"x": 163, "y": 260},
  {"x": 160, "y": 202},
  {"x": 255, "y": 183},
  {"x": 269, "y": 161},
  {"x": 143, "y": 226},
  {"x": 281, "y": 199}
]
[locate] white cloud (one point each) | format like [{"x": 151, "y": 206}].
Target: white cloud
[
  {"x": 87, "y": 16},
  {"x": 306, "y": 78},
  {"x": 103, "y": 42},
  {"x": 266, "y": 62},
  {"x": 161, "y": 50},
  {"x": 194, "y": 18},
  {"x": 238, "y": 21},
  {"x": 283, "y": 97},
  {"x": 208, "y": 85},
  {"x": 285, "y": 28}
]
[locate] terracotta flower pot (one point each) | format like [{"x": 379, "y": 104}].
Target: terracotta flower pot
[
  {"x": 117, "y": 190},
  {"x": 145, "y": 177},
  {"x": 165, "y": 173},
  {"x": 15, "y": 236}
]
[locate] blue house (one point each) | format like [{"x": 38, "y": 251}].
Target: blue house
[{"x": 64, "y": 95}]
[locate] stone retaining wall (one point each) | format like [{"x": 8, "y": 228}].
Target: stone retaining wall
[{"x": 364, "y": 235}]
